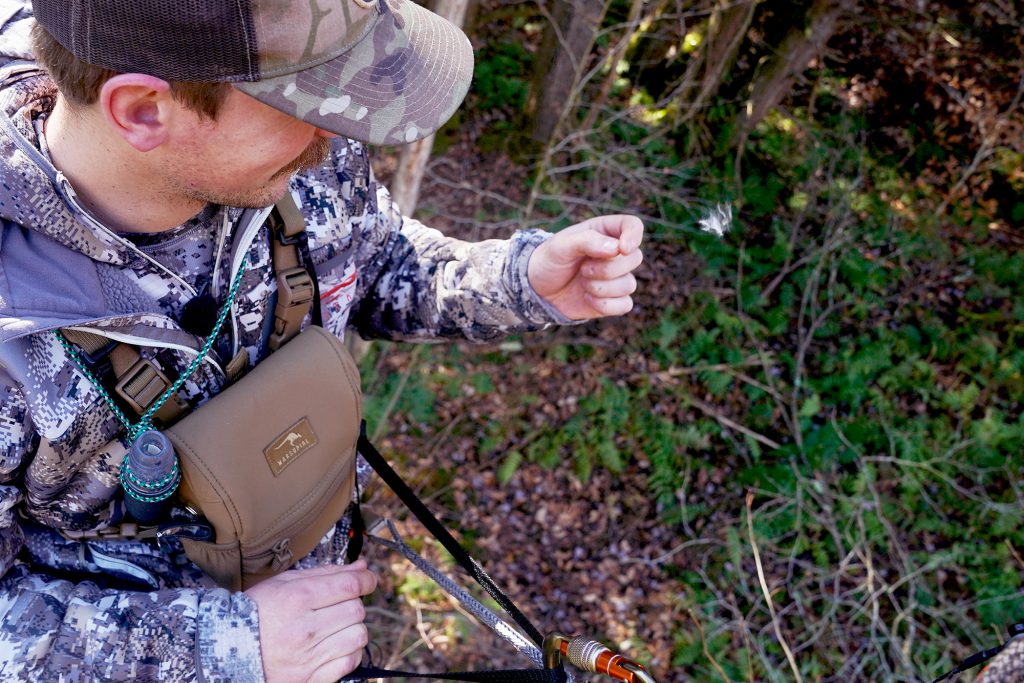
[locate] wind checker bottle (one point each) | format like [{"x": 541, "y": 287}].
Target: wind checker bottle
[{"x": 149, "y": 475}]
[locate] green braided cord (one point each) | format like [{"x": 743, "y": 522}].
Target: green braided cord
[
  {"x": 127, "y": 473},
  {"x": 173, "y": 389},
  {"x": 142, "y": 498},
  {"x": 145, "y": 421}
]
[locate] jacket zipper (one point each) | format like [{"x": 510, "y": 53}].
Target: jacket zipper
[{"x": 84, "y": 216}]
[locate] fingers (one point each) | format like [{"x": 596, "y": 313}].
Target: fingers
[
  {"x": 631, "y": 234},
  {"x": 608, "y": 284},
  {"x": 313, "y": 633},
  {"x": 611, "y": 289},
  {"x": 603, "y": 237},
  {"x": 610, "y": 269},
  {"x": 320, "y": 570},
  {"x": 627, "y": 230},
  {"x": 570, "y": 245},
  {"x": 320, "y": 587},
  {"x": 336, "y": 668},
  {"x": 336, "y": 588},
  {"x": 338, "y": 654},
  {"x": 328, "y": 620},
  {"x": 609, "y": 307},
  {"x": 311, "y": 621},
  {"x": 585, "y": 270}
]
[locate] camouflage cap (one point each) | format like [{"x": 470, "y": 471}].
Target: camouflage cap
[{"x": 380, "y": 71}]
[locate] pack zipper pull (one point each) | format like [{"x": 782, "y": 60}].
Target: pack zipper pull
[{"x": 282, "y": 555}]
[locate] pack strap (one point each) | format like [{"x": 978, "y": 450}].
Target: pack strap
[
  {"x": 137, "y": 381},
  {"x": 428, "y": 520},
  {"x": 296, "y": 288},
  {"x": 449, "y": 586}
]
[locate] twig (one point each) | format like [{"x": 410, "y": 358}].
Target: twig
[
  {"x": 381, "y": 427},
  {"x": 767, "y": 593},
  {"x": 399, "y": 655},
  {"x": 676, "y": 371},
  {"x": 662, "y": 558},
  {"x": 726, "y": 422},
  {"x": 1016, "y": 555},
  {"x": 421, "y": 627},
  {"x": 704, "y": 645}
]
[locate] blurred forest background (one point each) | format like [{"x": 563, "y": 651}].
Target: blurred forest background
[{"x": 800, "y": 457}]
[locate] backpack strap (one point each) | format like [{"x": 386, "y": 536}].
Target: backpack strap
[{"x": 296, "y": 288}]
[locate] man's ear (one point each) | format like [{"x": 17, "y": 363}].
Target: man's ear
[{"x": 139, "y": 108}]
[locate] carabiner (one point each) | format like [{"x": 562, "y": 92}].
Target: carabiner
[{"x": 592, "y": 656}]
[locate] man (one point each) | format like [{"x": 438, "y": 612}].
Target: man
[{"x": 140, "y": 184}]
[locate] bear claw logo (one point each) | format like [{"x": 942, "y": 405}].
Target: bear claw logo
[{"x": 287, "y": 447}]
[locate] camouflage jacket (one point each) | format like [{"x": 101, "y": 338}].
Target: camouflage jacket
[
  {"x": 108, "y": 610},
  {"x": 1007, "y": 666}
]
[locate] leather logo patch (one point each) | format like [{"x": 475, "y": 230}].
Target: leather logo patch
[{"x": 286, "y": 448}]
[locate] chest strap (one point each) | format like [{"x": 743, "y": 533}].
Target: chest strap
[{"x": 137, "y": 381}]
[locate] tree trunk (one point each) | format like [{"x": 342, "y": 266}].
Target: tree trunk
[
  {"x": 614, "y": 58},
  {"x": 412, "y": 161},
  {"x": 726, "y": 32},
  {"x": 795, "y": 52},
  {"x": 565, "y": 46}
]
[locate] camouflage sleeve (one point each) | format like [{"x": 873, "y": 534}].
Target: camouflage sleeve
[
  {"x": 53, "y": 629},
  {"x": 419, "y": 284},
  {"x": 56, "y": 630},
  {"x": 1008, "y": 665}
]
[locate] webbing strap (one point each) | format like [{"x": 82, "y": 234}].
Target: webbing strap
[
  {"x": 295, "y": 286},
  {"x": 484, "y": 614},
  {"x": 139, "y": 382},
  {"x": 466, "y": 561},
  {"x": 428, "y": 520},
  {"x": 492, "y": 676}
]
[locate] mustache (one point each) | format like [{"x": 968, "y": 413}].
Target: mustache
[{"x": 311, "y": 157}]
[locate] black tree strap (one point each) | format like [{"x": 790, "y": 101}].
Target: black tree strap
[
  {"x": 307, "y": 263},
  {"x": 428, "y": 520}
]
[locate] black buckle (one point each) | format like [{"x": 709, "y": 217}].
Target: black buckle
[
  {"x": 287, "y": 240},
  {"x": 277, "y": 226},
  {"x": 98, "y": 361}
]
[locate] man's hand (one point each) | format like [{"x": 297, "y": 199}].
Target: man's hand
[
  {"x": 311, "y": 622},
  {"x": 586, "y": 271}
]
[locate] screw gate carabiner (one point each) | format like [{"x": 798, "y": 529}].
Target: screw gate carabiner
[{"x": 592, "y": 656}]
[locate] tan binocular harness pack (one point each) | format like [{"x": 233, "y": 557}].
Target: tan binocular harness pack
[{"x": 270, "y": 461}]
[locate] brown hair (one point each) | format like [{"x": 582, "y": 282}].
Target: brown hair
[{"x": 80, "y": 82}]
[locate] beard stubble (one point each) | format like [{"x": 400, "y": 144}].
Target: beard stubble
[{"x": 259, "y": 197}]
